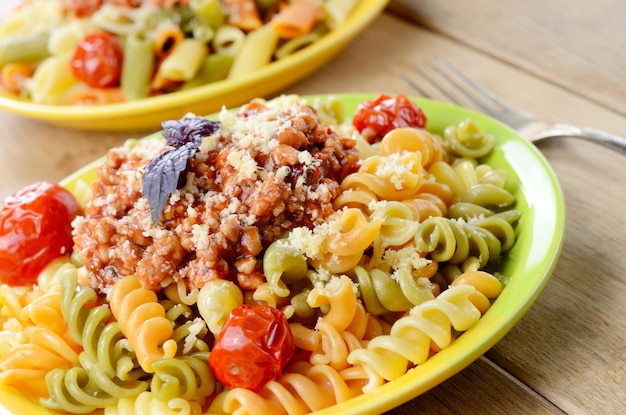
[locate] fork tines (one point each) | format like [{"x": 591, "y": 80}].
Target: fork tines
[{"x": 442, "y": 81}]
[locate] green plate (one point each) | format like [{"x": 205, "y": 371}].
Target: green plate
[{"x": 528, "y": 265}]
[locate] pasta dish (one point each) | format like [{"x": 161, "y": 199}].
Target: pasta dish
[
  {"x": 277, "y": 259},
  {"x": 76, "y": 52}
]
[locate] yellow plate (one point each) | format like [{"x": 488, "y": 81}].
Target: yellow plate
[
  {"x": 146, "y": 114},
  {"x": 527, "y": 266}
]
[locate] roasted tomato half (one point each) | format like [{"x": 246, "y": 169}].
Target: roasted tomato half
[
  {"x": 254, "y": 345},
  {"x": 97, "y": 60},
  {"x": 35, "y": 228},
  {"x": 376, "y": 118}
]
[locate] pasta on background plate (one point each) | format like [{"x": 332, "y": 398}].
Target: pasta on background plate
[
  {"x": 365, "y": 248},
  {"x": 74, "y": 52}
]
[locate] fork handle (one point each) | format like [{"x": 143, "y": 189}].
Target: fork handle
[{"x": 595, "y": 135}]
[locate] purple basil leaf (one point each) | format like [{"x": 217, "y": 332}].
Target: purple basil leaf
[
  {"x": 162, "y": 173},
  {"x": 160, "y": 178},
  {"x": 188, "y": 129}
]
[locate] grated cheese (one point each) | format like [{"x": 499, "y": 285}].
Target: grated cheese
[
  {"x": 245, "y": 165},
  {"x": 404, "y": 257},
  {"x": 174, "y": 197},
  {"x": 209, "y": 143},
  {"x": 310, "y": 242},
  {"x": 195, "y": 328},
  {"x": 377, "y": 204},
  {"x": 200, "y": 236},
  {"x": 321, "y": 277},
  {"x": 191, "y": 212},
  {"x": 155, "y": 233},
  {"x": 282, "y": 172},
  {"x": 145, "y": 149},
  {"x": 306, "y": 158},
  {"x": 307, "y": 242},
  {"x": 393, "y": 167}
]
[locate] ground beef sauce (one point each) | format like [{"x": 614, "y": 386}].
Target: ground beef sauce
[{"x": 267, "y": 169}]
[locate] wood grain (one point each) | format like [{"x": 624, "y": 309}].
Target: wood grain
[
  {"x": 482, "y": 388},
  {"x": 574, "y": 44},
  {"x": 570, "y": 346}
]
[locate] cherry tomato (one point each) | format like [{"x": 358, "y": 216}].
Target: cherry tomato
[
  {"x": 254, "y": 345},
  {"x": 82, "y": 8},
  {"x": 97, "y": 60},
  {"x": 386, "y": 113},
  {"x": 35, "y": 228}
]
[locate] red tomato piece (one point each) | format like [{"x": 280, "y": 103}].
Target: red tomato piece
[
  {"x": 82, "y": 8},
  {"x": 35, "y": 228},
  {"x": 254, "y": 345},
  {"x": 386, "y": 113},
  {"x": 97, "y": 60}
]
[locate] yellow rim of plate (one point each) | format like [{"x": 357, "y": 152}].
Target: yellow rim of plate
[{"x": 361, "y": 17}]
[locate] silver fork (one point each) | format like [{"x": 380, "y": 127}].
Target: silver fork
[{"x": 457, "y": 88}]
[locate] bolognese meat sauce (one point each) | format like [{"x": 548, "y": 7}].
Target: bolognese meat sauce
[{"x": 266, "y": 170}]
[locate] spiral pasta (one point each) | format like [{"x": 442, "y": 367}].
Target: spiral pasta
[
  {"x": 394, "y": 177},
  {"x": 454, "y": 241},
  {"x": 107, "y": 368},
  {"x": 142, "y": 320},
  {"x": 302, "y": 389},
  {"x": 466, "y": 139},
  {"x": 265, "y": 295},
  {"x": 27, "y": 364},
  {"x": 336, "y": 341},
  {"x": 73, "y": 390},
  {"x": 282, "y": 265},
  {"x": 186, "y": 377},
  {"x": 400, "y": 261},
  {"x": 42, "y": 340},
  {"x": 189, "y": 329},
  {"x": 330, "y": 110},
  {"x": 387, "y": 357},
  {"x": 477, "y": 189},
  {"x": 215, "y": 300},
  {"x": 147, "y": 404},
  {"x": 356, "y": 198},
  {"x": 345, "y": 248},
  {"x": 406, "y": 139},
  {"x": 433, "y": 199},
  {"x": 335, "y": 246},
  {"x": 487, "y": 286},
  {"x": 398, "y": 224},
  {"x": 178, "y": 292},
  {"x": 381, "y": 292}
]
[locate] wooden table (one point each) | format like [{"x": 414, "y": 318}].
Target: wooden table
[{"x": 564, "y": 60}]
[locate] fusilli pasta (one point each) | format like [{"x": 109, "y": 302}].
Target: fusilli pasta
[
  {"x": 387, "y": 252},
  {"x": 142, "y": 320}
]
